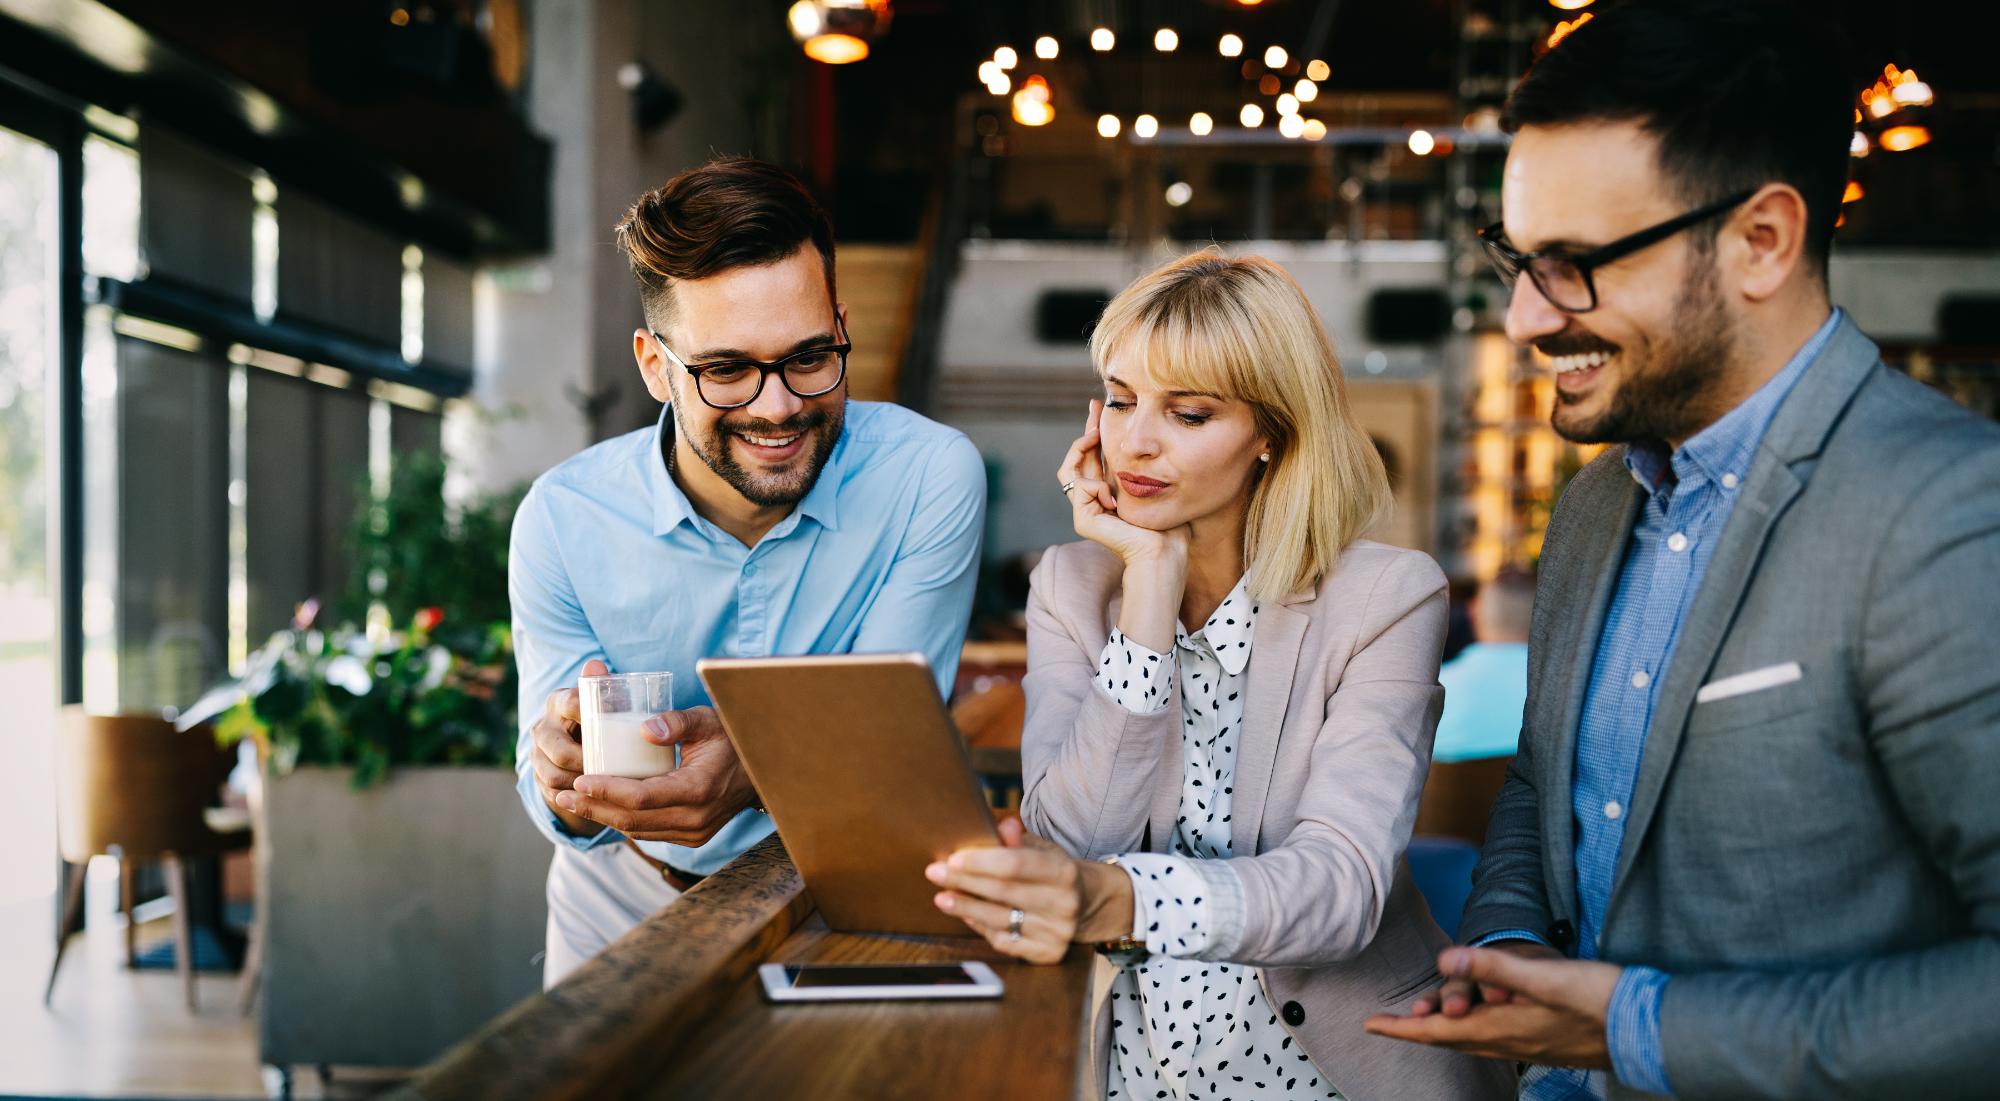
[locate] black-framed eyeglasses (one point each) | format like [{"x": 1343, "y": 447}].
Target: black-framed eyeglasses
[
  {"x": 1565, "y": 278},
  {"x": 734, "y": 383}
]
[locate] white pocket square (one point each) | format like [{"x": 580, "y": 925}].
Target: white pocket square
[{"x": 1756, "y": 680}]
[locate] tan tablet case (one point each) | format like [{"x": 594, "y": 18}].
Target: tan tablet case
[{"x": 864, "y": 774}]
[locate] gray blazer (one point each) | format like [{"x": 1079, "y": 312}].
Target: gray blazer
[
  {"x": 1816, "y": 862},
  {"x": 1342, "y": 701}
]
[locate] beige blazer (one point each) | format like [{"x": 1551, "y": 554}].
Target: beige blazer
[{"x": 1343, "y": 701}]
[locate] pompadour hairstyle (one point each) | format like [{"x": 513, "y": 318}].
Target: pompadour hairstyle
[{"x": 729, "y": 213}]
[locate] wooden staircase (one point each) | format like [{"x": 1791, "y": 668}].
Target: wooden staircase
[{"x": 879, "y": 285}]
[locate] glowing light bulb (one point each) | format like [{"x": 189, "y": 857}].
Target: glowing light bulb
[
  {"x": 1230, "y": 46},
  {"x": 1251, "y": 116},
  {"x": 1288, "y": 104},
  {"x": 1859, "y": 146},
  {"x": 1179, "y": 192},
  {"x": 1199, "y": 124},
  {"x": 1421, "y": 142},
  {"x": 1006, "y": 58},
  {"x": 1145, "y": 126},
  {"x": 1031, "y": 103},
  {"x": 1317, "y": 70},
  {"x": 1291, "y": 126},
  {"x": 1102, "y": 39},
  {"x": 1306, "y": 91},
  {"x": 1274, "y": 58},
  {"x": 1315, "y": 129},
  {"x": 1897, "y": 139},
  {"x": 1047, "y": 48},
  {"x": 1165, "y": 40},
  {"x": 1107, "y": 126}
]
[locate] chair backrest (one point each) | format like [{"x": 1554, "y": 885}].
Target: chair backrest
[
  {"x": 1458, "y": 798},
  {"x": 134, "y": 783}
]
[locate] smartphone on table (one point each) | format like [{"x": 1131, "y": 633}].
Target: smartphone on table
[{"x": 869, "y": 982}]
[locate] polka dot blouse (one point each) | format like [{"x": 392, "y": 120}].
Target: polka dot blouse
[{"x": 1183, "y": 1026}]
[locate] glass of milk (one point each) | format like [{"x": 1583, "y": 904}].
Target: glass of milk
[{"x": 615, "y": 708}]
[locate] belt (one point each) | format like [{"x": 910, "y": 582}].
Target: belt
[{"x": 677, "y": 879}]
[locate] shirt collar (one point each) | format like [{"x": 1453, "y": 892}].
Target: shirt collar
[
  {"x": 672, "y": 508},
  {"x": 1227, "y": 631},
  {"x": 1722, "y": 452}
]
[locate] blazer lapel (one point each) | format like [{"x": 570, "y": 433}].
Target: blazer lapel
[
  {"x": 1599, "y": 550},
  {"x": 1274, "y": 656},
  {"x": 1783, "y": 465}
]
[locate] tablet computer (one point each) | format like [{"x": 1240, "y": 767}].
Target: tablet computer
[{"x": 861, "y": 768}]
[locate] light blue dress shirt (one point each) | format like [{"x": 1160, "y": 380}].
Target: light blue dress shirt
[
  {"x": 609, "y": 560},
  {"x": 1689, "y": 496},
  {"x": 1485, "y": 691}
]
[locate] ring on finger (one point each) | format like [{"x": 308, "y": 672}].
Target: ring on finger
[
  {"x": 1015, "y": 917},
  {"x": 1067, "y": 486}
]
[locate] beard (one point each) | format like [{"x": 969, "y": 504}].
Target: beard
[
  {"x": 786, "y": 486},
  {"x": 1670, "y": 393}
]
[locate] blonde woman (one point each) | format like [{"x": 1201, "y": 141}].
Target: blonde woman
[{"x": 1230, "y": 708}]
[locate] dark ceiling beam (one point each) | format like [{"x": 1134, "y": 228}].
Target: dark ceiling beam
[{"x": 470, "y": 181}]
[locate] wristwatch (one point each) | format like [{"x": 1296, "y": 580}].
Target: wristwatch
[{"x": 1126, "y": 951}]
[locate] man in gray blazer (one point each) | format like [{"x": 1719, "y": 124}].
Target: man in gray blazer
[{"x": 1757, "y": 796}]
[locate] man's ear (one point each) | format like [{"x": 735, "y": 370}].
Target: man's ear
[
  {"x": 653, "y": 365},
  {"x": 1771, "y": 229}
]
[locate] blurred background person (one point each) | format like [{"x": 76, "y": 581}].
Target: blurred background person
[{"x": 1486, "y": 685}]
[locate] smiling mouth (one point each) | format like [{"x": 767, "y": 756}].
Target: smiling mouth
[
  {"x": 771, "y": 441},
  {"x": 1569, "y": 365}
]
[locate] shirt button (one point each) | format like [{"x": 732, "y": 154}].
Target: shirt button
[
  {"x": 1641, "y": 679},
  {"x": 1612, "y": 810},
  {"x": 1677, "y": 542},
  {"x": 1294, "y": 1014},
  {"x": 1730, "y": 481},
  {"x": 750, "y": 570}
]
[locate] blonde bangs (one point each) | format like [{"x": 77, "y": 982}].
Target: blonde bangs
[{"x": 1242, "y": 329}]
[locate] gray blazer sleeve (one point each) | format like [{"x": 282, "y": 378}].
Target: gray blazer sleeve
[
  {"x": 1088, "y": 766},
  {"x": 1507, "y": 887},
  {"x": 1917, "y": 1023}
]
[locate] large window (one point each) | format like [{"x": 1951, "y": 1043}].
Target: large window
[
  {"x": 29, "y": 342},
  {"x": 222, "y": 476}
]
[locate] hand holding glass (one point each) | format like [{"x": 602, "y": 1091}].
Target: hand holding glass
[{"x": 615, "y": 709}]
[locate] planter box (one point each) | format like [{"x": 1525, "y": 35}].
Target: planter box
[{"x": 398, "y": 919}]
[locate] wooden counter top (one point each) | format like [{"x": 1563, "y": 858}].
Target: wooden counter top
[{"x": 674, "y": 1010}]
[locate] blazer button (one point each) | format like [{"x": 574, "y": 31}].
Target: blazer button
[
  {"x": 1562, "y": 934},
  {"x": 1294, "y": 1014}
]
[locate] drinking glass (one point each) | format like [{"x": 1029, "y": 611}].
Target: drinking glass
[{"x": 615, "y": 708}]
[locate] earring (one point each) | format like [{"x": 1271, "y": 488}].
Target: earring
[{"x": 1264, "y": 458}]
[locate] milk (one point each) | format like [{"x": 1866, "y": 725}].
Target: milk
[{"x": 616, "y": 745}]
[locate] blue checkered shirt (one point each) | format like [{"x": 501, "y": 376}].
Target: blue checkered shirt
[{"x": 1689, "y": 495}]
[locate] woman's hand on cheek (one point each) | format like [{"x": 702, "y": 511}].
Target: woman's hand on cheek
[{"x": 1094, "y": 504}]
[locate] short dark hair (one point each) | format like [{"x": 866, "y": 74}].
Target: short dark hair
[
  {"x": 1739, "y": 94},
  {"x": 732, "y": 212}
]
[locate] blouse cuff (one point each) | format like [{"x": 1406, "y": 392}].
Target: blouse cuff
[
  {"x": 1183, "y": 908},
  {"x": 1136, "y": 678}
]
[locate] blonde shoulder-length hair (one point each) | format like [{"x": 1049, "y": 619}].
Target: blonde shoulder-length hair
[{"x": 1243, "y": 329}]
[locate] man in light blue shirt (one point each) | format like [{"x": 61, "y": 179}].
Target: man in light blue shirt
[
  {"x": 763, "y": 514},
  {"x": 1486, "y": 685}
]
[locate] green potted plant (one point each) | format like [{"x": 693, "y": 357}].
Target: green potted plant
[{"x": 400, "y": 885}]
